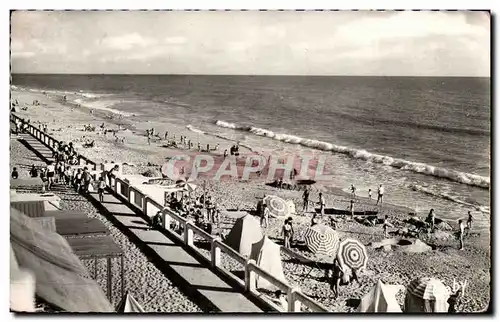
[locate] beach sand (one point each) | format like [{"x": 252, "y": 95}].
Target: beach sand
[{"x": 65, "y": 122}]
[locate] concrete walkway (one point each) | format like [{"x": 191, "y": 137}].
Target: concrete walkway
[{"x": 183, "y": 269}]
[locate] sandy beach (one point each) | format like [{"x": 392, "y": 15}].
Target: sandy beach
[{"x": 156, "y": 293}]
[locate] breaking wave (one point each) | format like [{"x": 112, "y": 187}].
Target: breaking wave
[
  {"x": 427, "y": 191},
  {"x": 453, "y": 175}
]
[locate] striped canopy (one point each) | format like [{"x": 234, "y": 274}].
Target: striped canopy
[
  {"x": 352, "y": 253},
  {"x": 277, "y": 206},
  {"x": 322, "y": 240},
  {"x": 428, "y": 288},
  {"x": 186, "y": 184}
]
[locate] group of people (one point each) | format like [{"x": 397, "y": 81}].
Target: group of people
[
  {"x": 205, "y": 213},
  {"x": 463, "y": 228},
  {"x": 380, "y": 193}
]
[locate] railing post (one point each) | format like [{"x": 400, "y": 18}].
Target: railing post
[
  {"x": 293, "y": 304},
  {"x": 215, "y": 253},
  {"x": 188, "y": 234},
  {"x": 131, "y": 196},
  {"x": 250, "y": 278},
  {"x": 145, "y": 205},
  {"x": 166, "y": 220}
]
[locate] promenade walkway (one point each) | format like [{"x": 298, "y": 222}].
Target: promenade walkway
[{"x": 198, "y": 281}]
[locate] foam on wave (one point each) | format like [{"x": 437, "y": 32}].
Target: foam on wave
[
  {"x": 453, "y": 175},
  {"x": 416, "y": 187}
]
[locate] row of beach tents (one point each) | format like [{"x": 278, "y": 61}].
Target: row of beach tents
[{"x": 422, "y": 294}]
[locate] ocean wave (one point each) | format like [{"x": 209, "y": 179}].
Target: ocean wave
[
  {"x": 453, "y": 175},
  {"x": 196, "y": 130},
  {"x": 103, "y": 105},
  {"x": 193, "y": 129},
  {"x": 427, "y": 191}
]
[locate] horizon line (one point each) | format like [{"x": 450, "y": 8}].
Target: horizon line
[{"x": 255, "y": 75}]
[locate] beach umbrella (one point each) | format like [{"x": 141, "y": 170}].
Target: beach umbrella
[
  {"x": 426, "y": 295},
  {"x": 186, "y": 185},
  {"x": 277, "y": 206},
  {"x": 428, "y": 288},
  {"x": 322, "y": 240},
  {"x": 352, "y": 254}
]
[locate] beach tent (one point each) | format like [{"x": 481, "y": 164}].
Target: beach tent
[
  {"x": 22, "y": 287},
  {"x": 59, "y": 274},
  {"x": 129, "y": 305},
  {"x": 245, "y": 232},
  {"x": 381, "y": 298},
  {"x": 426, "y": 295},
  {"x": 267, "y": 255}
]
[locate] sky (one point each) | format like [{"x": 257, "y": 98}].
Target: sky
[{"x": 406, "y": 43}]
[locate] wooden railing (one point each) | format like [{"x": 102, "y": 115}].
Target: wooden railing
[
  {"x": 50, "y": 141},
  {"x": 149, "y": 207}
]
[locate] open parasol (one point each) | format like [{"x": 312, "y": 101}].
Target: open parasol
[
  {"x": 277, "y": 206},
  {"x": 352, "y": 253},
  {"x": 322, "y": 240}
]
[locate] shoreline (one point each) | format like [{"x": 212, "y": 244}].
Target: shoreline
[{"x": 233, "y": 194}]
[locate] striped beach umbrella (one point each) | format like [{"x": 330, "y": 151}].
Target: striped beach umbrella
[
  {"x": 186, "y": 185},
  {"x": 322, "y": 240},
  {"x": 427, "y": 288},
  {"x": 352, "y": 254},
  {"x": 277, "y": 206}
]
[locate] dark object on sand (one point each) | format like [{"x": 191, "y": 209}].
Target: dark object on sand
[
  {"x": 333, "y": 211},
  {"x": 305, "y": 182},
  {"x": 151, "y": 173},
  {"x": 282, "y": 185}
]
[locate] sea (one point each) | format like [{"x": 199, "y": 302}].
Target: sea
[{"x": 427, "y": 139}]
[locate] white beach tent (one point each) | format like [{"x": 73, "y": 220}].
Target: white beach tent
[
  {"x": 267, "y": 255},
  {"x": 245, "y": 232},
  {"x": 128, "y": 304},
  {"x": 381, "y": 298}
]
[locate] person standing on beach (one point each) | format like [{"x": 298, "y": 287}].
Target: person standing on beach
[
  {"x": 380, "y": 194},
  {"x": 149, "y": 139},
  {"x": 287, "y": 232},
  {"x": 370, "y": 194},
  {"x": 431, "y": 218},
  {"x": 351, "y": 208},
  {"x": 461, "y": 232},
  {"x": 264, "y": 216},
  {"x": 305, "y": 199},
  {"x": 386, "y": 226},
  {"x": 314, "y": 220},
  {"x": 165, "y": 137},
  {"x": 336, "y": 277},
  {"x": 469, "y": 220},
  {"x": 322, "y": 204},
  {"x": 353, "y": 190},
  {"x": 225, "y": 153}
]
